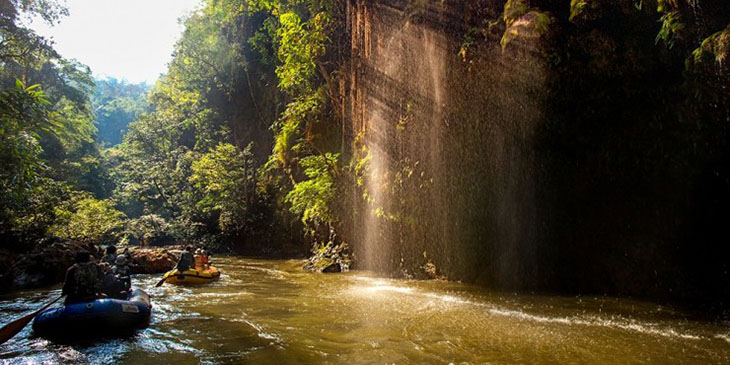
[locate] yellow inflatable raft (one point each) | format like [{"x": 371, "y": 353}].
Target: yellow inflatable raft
[{"x": 193, "y": 276}]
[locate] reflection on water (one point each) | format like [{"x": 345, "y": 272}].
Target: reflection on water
[{"x": 271, "y": 312}]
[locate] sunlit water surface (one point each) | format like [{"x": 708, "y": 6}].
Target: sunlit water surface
[{"x": 271, "y": 312}]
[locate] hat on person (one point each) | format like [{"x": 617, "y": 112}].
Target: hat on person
[{"x": 121, "y": 260}]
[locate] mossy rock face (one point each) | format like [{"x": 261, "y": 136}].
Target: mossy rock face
[
  {"x": 712, "y": 55},
  {"x": 533, "y": 26},
  {"x": 583, "y": 11},
  {"x": 513, "y": 9},
  {"x": 330, "y": 258}
]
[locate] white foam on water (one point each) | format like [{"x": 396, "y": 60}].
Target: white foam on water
[
  {"x": 377, "y": 285},
  {"x": 624, "y": 324},
  {"x": 167, "y": 346},
  {"x": 223, "y": 295},
  {"x": 260, "y": 330}
]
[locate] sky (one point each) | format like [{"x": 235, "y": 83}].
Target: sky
[{"x": 125, "y": 39}]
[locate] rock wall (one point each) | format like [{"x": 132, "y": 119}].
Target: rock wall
[
  {"x": 449, "y": 139},
  {"x": 536, "y": 146}
]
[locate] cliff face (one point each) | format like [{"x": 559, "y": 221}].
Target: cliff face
[{"x": 541, "y": 146}]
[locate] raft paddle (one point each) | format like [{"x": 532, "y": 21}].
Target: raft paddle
[
  {"x": 11, "y": 329},
  {"x": 159, "y": 283}
]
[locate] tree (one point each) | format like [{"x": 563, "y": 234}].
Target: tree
[
  {"x": 116, "y": 104},
  {"x": 227, "y": 177},
  {"x": 89, "y": 220},
  {"x": 46, "y": 125},
  {"x": 312, "y": 199}
]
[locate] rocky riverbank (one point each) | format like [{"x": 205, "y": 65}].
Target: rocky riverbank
[{"x": 47, "y": 264}]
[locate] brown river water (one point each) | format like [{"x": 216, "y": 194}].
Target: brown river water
[{"x": 272, "y": 312}]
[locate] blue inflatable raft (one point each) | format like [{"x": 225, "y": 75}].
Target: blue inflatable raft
[{"x": 97, "y": 317}]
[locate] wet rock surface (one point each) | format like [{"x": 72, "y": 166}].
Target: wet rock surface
[
  {"x": 152, "y": 261},
  {"x": 329, "y": 259}
]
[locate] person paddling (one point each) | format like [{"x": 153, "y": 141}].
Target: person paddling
[
  {"x": 83, "y": 280},
  {"x": 186, "y": 259}
]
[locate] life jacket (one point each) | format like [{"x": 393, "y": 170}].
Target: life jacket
[
  {"x": 121, "y": 270},
  {"x": 198, "y": 261},
  {"x": 114, "y": 287},
  {"x": 86, "y": 280},
  {"x": 109, "y": 258}
]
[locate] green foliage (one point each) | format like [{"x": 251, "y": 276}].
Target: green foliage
[
  {"x": 46, "y": 131},
  {"x": 170, "y": 160},
  {"x": 303, "y": 112},
  {"x": 48, "y": 10},
  {"x": 116, "y": 104},
  {"x": 715, "y": 49},
  {"x": 179, "y": 171},
  {"x": 265, "y": 41},
  {"x": 533, "y": 25},
  {"x": 301, "y": 32},
  {"x": 578, "y": 8},
  {"x": 300, "y": 45},
  {"x": 148, "y": 229},
  {"x": 89, "y": 220},
  {"x": 672, "y": 28},
  {"x": 227, "y": 177},
  {"x": 24, "y": 116},
  {"x": 312, "y": 198},
  {"x": 513, "y": 9},
  {"x": 30, "y": 217}
]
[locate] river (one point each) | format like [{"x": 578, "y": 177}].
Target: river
[{"x": 272, "y": 312}]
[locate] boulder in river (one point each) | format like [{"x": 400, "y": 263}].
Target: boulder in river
[
  {"x": 152, "y": 261},
  {"x": 330, "y": 258}
]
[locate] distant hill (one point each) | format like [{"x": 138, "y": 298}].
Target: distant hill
[{"x": 117, "y": 103}]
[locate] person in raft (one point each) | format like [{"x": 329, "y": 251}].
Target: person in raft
[
  {"x": 204, "y": 258},
  {"x": 117, "y": 281},
  {"x": 83, "y": 280},
  {"x": 186, "y": 259},
  {"x": 198, "y": 257},
  {"x": 122, "y": 270},
  {"x": 206, "y": 254},
  {"x": 201, "y": 259},
  {"x": 111, "y": 255}
]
